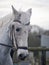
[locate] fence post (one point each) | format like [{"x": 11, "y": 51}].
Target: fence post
[{"x": 43, "y": 58}]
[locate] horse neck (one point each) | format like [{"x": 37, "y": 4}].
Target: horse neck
[
  {"x": 4, "y": 36},
  {"x": 6, "y": 20},
  {"x": 4, "y": 39}
]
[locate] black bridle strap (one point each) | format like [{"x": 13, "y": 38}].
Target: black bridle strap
[
  {"x": 21, "y": 23},
  {"x": 23, "y": 48},
  {"x": 12, "y": 46},
  {"x": 6, "y": 45}
]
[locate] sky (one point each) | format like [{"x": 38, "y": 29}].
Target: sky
[{"x": 40, "y": 10}]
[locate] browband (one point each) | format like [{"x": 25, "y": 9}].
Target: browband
[{"x": 20, "y": 22}]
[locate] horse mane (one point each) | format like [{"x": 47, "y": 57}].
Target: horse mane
[{"x": 5, "y": 20}]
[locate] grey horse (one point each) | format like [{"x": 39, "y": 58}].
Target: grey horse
[{"x": 14, "y": 34}]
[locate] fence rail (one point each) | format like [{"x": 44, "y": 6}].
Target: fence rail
[
  {"x": 38, "y": 49},
  {"x": 43, "y": 50}
]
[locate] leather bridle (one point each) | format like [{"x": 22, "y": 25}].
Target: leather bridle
[
  {"x": 14, "y": 41},
  {"x": 12, "y": 46}
]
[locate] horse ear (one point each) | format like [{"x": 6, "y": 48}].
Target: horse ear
[
  {"x": 29, "y": 11},
  {"x": 14, "y": 10}
]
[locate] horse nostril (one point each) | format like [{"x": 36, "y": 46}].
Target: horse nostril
[
  {"x": 18, "y": 29},
  {"x": 22, "y": 56}
]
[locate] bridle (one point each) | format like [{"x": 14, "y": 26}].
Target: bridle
[
  {"x": 12, "y": 46},
  {"x": 13, "y": 38},
  {"x": 15, "y": 41}
]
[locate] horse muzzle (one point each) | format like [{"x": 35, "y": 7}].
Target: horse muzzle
[{"x": 22, "y": 53}]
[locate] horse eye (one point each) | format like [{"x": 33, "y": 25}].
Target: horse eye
[{"x": 18, "y": 29}]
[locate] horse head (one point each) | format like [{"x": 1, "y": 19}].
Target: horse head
[{"x": 19, "y": 30}]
